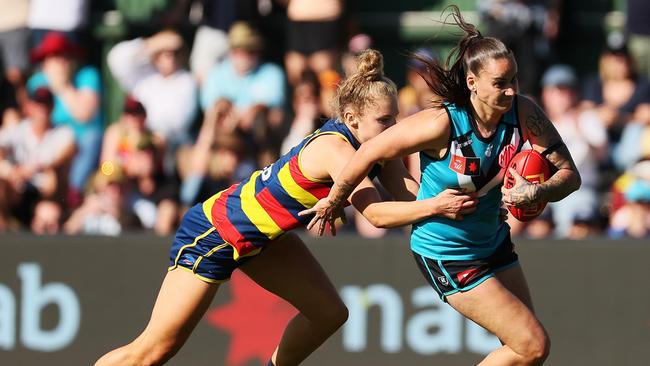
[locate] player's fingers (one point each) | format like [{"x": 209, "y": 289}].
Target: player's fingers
[
  {"x": 312, "y": 222},
  {"x": 461, "y": 192},
  {"x": 470, "y": 203},
  {"x": 333, "y": 226},
  {"x": 321, "y": 227},
  {"x": 307, "y": 211},
  {"x": 514, "y": 173}
]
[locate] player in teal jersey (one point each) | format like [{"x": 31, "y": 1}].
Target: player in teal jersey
[{"x": 466, "y": 141}]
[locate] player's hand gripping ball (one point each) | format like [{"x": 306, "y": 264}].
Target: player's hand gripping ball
[{"x": 534, "y": 168}]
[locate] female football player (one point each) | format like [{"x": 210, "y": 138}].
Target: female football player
[
  {"x": 466, "y": 142},
  {"x": 247, "y": 226}
]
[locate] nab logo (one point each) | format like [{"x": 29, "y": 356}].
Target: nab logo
[
  {"x": 254, "y": 318},
  {"x": 34, "y": 298}
]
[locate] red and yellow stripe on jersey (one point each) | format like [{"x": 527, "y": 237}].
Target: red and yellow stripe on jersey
[{"x": 259, "y": 209}]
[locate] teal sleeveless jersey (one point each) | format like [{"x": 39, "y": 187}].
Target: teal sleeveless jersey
[{"x": 475, "y": 164}]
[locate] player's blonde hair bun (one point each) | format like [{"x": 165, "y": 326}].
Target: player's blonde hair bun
[
  {"x": 370, "y": 65},
  {"x": 362, "y": 88}
]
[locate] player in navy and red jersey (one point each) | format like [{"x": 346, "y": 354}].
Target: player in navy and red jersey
[
  {"x": 246, "y": 226},
  {"x": 251, "y": 213}
]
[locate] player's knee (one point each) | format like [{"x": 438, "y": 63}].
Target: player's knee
[
  {"x": 537, "y": 348},
  {"x": 335, "y": 315}
]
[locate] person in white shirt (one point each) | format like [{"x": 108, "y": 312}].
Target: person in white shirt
[
  {"x": 151, "y": 70},
  {"x": 65, "y": 16},
  {"x": 33, "y": 156}
]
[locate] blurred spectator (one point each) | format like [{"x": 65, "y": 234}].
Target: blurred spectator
[
  {"x": 254, "y": 88},
  {"x": 330, "y": 78},
  {"x": 306, "y": 108},
  {"x": 151, "y": 70},
  {"x": 131, "y": 147},
  {"x": 14, "y": 42},
  {"x": 77, "y": 104},
  {"x": 632, "y": 148},
  {"x": 356, "y": 45},
  {"x": 329, "y": 82},
  {"x": 100, "y": 213},
  {"x": 9, "y": 109},
  {"x": 217, "y": 160},
  {"x": 47, "y": 218},
  {"x": 211, "y": 39},
  {"x": 529, "y": 28},
  {"x": 34, "y": 157},
  {"x": 574, "y": 217},
  {"x": 616, "y": 92},
  {"x": 64, "y": 16},
  {"x": 638, "y": 30},
  {"x": 313, "y": 36},
  {"x": 414, "y": 97},
  {"x": 126, "y": 135},
  {"x": 631, "y": 205}
]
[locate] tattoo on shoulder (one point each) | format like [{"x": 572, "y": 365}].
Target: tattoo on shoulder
[{"x": 537, "y": 122}]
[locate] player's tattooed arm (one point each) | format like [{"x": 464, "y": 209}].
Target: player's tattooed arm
[
  {"x": 544, "y": 138},
  {"x": 341, "y": 194},
  {"x": 522, "y": 194}
]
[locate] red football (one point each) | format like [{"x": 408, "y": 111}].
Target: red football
[{"x": 534, "y": 168}]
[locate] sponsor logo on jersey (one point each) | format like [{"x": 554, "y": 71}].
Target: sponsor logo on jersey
[{"x": 465, "y": 165}]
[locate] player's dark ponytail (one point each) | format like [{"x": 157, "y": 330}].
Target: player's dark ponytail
[{"x": 447, "y": 81}]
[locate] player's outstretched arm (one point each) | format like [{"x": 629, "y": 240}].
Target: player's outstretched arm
[{"x": 421, "y": 131}]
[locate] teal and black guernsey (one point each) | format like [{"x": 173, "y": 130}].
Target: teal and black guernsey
[{"x": 475, "y": 164}]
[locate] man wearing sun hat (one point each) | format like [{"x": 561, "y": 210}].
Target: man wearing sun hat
[
  {"x": 151, "y": 69},
  {"x": 256, "y": 89},
  {"x": 77, "y": 89}
]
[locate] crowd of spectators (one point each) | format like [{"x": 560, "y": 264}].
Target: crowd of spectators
[{"x": 199, "y": 117}]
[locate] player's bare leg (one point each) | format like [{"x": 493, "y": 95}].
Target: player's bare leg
[
  {"x": 507, "y": 315},
  {"x": 288, "y": 269},
  {"x": 514, "y": 280},
  {"x": 172, "y": 320}
]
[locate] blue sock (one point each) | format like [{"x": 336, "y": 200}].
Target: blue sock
[{"x": 270, "y": 363}]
